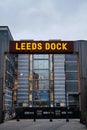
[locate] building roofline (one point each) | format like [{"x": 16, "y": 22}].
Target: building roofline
[{"x": 6, "y": 28}]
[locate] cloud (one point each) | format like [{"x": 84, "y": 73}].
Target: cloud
[{"x": 45, "y": 19}]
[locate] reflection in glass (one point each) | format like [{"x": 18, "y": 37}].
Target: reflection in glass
[
  {"x": 71, "y": 76},
  {"x": 51, "y": 86},
  {"x": 70, "y": 57},
  {"x": 30, "y": 97},
  {"x": 72, "y": 86},
  {"x": 51, "y": 76},
  {"x": 41, "y": 80},
  {"x": 30, "y": 86},
  {"x": 30, "y": 65},
  {"x": 36, "y": 56},
  {"x": 44, "y": 84},
  {"x": 30, "y": 77},
  {"x": 72, "y": 65},
  {"x": 43, "y": 74},
  {"x": 51, "y": 66},
  {"x": 51, "y": 96},
  {"x": 42, "y": 95},
  {"x": 30, "y": 105},
  {"x": 35, "y": 80},
  {"x": 41, "y": 64}
]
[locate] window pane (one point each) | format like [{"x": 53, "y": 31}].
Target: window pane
[
  {"x": 41, "y": 64},
  {"x": 71, "y": 66},
  {"x": 42, "y": 95},
  {"x": 72, "y": 86},
  {"x": 43, "y": 74},
  {"x": 71, "y": 57},
  {"x": 71, "y": 75},
  {"x": 46, "y": 56},
  {"x": 43, "y": 84}
]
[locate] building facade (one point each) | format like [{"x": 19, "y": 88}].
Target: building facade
[
  {"x": 35, "y": 80},
  {"x": 81, "y": 48},
  {"x": 45, "y": 80},
  {"x": 7, "y": 68},
  {"x": 42, "y": 80}
]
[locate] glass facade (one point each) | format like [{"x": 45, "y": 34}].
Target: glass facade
[
  {"x": 45, "y": 78},
  {"x": 40, "y": 80},
  {"x": 9, "y": 81},
  {"x": 59, "y": 79},
  {"x": 7, "y": 68},
  {"x": 71, "y": 74},
  {"x": 23, "y": 83}
]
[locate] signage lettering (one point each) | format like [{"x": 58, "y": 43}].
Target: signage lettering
[{"x": 32, "y": 47}]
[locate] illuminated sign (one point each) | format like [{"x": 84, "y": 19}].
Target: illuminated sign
[{"x": 40, "y": 47}]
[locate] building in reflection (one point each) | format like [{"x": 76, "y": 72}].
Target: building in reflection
[{"x": 35, "y": 79}]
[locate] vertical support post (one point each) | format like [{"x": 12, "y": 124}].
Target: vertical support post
[
  {"x": 34, "y": 115},
  {"x": 67, "y": 119},
  {"x": 50, "y": 115},
  {"x": 79, "y": 88}
]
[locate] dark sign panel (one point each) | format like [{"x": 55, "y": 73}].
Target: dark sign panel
[{"x": 40, "y": 47}]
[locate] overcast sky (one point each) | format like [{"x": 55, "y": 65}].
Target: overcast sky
[{"x": 45, "y": 19}]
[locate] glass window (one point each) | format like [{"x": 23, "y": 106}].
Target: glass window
[
  {"x": 44, "y": 84},
  {"x": 72, "y": 86},
  {"x": 41, "y": 80},
  {"x": 30, "y": 97},
  {"x": 41, "y": 64},
  {"x": 42, "y": 95},
  {"x": 71, "y": 66},
  {"x": 30, "y": 86},
  {"x": 51, "y": 86},
  {"x": 43, "y": 74},
  {"x": 36, "y": 56},
  {"x": 51, "y": 96},
  {"x": 30, "y": 76},
  {"x": 51, "y": 75},
  {"x": 71, "y": 75},
  {"x": 31, "y": 66},
  {"x": 71, "y": 57}
]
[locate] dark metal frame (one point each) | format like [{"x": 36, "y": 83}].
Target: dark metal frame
[
  {"x": 44, "y": 113},
  {"x": 67, "y": 119}
]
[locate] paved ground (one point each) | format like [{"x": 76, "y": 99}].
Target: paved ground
[{"x": 43, "y": 125}]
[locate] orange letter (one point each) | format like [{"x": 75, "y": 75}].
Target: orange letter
[
  {"x": 28, "y": 46},
  {"x": 17, "y": 48},
  {"x": 39, "y": 46},
  {"x": 22, "y": 46},
  {"x": 64, "y": 46},
  {"x": 59, "y": 46},
  {"x": 47, "y": 46},
  {"x": 34, "y": 46}
]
